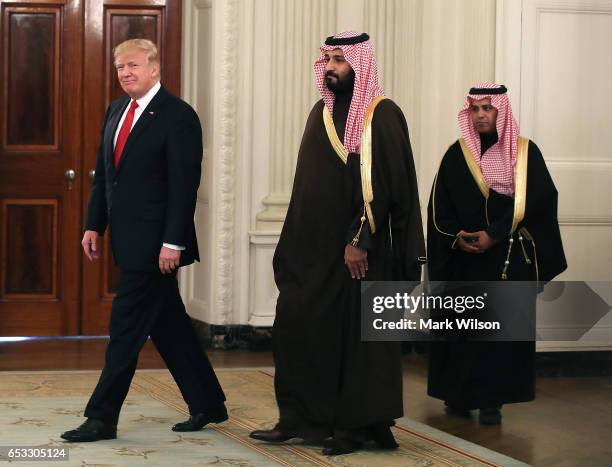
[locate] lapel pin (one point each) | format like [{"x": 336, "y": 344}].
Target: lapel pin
[{"x": 151, "y": 113}]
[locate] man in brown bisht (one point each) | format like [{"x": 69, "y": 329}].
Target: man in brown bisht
[
  {"x": 492, "y": 216},
  {"x": 354, "y": 214}
]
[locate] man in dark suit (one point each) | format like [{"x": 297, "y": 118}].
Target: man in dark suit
[{"x": 144, "y": 189}]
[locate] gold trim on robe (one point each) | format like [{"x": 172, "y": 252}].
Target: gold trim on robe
[
  {"x": 520, "y": 178},
  {"x": 366, "y": 161},
  {"x": 365, "y": 156},
  {"x": 474, "y": 169},
  {"x": 520, "y": 182},
  {"x": 333, "y": 135},
  {"x": 433, "y": 207}
]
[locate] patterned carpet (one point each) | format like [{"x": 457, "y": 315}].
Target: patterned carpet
[{"x": 35, "y": 407}]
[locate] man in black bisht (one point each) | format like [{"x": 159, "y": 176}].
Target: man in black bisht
[
  {"x": 492, "y": 216},
  {"x": 354, "y": 214}
]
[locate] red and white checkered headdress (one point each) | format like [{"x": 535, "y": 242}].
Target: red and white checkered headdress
[
  {"x": 497, "y": 163},
  {"x": 359, "y": 53}
]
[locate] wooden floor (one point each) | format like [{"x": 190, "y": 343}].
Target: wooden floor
[{"x": 569, "y": 424}]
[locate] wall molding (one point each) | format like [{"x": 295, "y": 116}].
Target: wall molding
[
  {"x": 225, "y": 152},
  {"x": 300, "y": 26},
  {"x": 190, "y": 92},
  {"x": 508, "y": 49},
  {"x": 603, "y": 221}
]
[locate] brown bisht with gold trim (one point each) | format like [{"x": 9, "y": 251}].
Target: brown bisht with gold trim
[
  {"x": 472, "y": 375},
  {"x": 328, "y": 381}
]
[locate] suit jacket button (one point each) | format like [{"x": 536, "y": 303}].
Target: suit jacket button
[{"x": 114, "y": 183}]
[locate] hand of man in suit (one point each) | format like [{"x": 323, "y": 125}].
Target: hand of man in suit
[
  {"x": 169, "y": 259},
  {"x": 90, "y": 244}
]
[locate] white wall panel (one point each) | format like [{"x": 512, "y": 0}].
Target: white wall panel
[{"x": 564, "y": 64}]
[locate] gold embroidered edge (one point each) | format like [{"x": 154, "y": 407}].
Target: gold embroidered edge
[
  {"x": 433, "y": 208},
  {"x": 474, "y": 169},
  {"x": 366, "y": 161},
  {"x": 333, "y": 135},
  {"x": 520, "y": 182}
]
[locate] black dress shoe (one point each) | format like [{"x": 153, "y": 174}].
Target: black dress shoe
[
  {"x": 271, "y": 436},
  {"x": 339, "y": 446},
  {"x": 91, "y": 430},
  {"x": 198, "y": 421},
  {"x": 457, "y": 411},
  {"x": 490, "y": 416},
  {"x": 383, "y": 437}
]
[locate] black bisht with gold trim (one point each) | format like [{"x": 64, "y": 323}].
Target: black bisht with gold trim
[
  {"x": 328, "y": 381},
  {"x": 488, "y": 374}
]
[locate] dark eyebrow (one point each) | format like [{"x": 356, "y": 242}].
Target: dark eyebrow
[{"x": 477, "y": 106}]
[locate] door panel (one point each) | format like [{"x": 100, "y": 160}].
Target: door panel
[
  {"x": 108, "y": 23},
  {"x": 40, "y": 126},
  {"x": 33, "y": 55},
  {"x": 30, "y": 249}
]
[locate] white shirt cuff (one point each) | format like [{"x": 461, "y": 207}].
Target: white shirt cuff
[{"x": 174, "y": 247}]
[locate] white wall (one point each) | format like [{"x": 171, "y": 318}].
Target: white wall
[
  {"x": 555, "y": 56},
  {"x": 248, "y": 71}
]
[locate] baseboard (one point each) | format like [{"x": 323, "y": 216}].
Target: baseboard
[
  {"x": 242, "y": 337},
  {"x": 574, "y": 363},
  {"x": 548, "y": 364}
]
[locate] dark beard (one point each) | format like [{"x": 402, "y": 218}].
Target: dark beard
[{"x": 340, "y": 86}]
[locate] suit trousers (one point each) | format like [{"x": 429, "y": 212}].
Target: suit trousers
[{"x": 149, "y": 304}]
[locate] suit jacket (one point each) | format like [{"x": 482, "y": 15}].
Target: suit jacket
[{"x": 150, "y": 198}]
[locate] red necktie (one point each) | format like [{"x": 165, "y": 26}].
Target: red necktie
[{"x": 126, "y": 127}]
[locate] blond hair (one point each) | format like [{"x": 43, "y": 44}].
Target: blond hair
[{"x": 144, "y": 45}]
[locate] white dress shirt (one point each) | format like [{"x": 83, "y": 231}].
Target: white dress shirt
[{"x": 142, "y": 105}]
